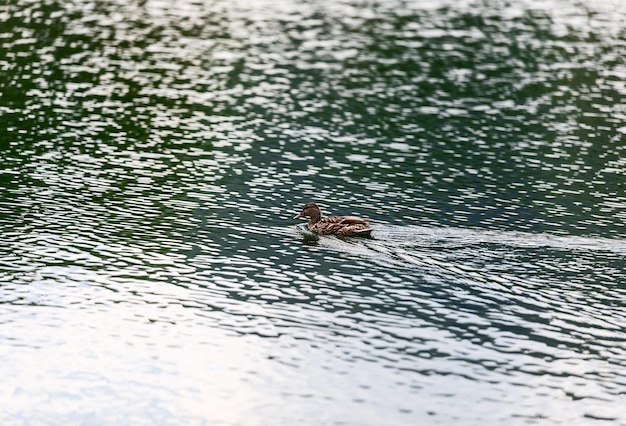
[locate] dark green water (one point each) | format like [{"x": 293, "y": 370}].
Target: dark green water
[{"x": 153, "y": 154}]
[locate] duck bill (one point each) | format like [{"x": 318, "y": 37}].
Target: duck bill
[{"x": 298, "y": 216}]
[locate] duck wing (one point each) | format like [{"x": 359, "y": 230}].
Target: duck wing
[
  {"x": 347, "y": 220},
  {"x": 342, "y": 225}
]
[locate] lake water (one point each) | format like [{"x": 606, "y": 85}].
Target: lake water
[{"x": 153, "y": 154}]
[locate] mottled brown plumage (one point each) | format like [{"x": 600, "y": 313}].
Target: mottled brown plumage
[{"x": 338, "y": 225}]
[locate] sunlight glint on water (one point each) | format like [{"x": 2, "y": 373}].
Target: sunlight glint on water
[{"x": 154, "y": 153}]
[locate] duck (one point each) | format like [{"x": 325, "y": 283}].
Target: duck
[{"x": 334, "y": 225}]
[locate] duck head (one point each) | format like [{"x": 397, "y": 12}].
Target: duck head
[{"x": 311, "y": 210}]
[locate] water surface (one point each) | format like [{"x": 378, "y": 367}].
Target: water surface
[{"x": 153, "y": 154}]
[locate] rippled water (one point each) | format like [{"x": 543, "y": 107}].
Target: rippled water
[{"x": 153, "y": 154}]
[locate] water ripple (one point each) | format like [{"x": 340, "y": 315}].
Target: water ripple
[{"x": 154, "y": 154}]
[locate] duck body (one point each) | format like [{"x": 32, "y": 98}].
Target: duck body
[{"x": 336, "y": 225}]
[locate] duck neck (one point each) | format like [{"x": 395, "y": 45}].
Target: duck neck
[{"x": 315, "y": 216}]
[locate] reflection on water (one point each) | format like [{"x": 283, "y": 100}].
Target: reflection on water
[{"x": 154, "y": 153}]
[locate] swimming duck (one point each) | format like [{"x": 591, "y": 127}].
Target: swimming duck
[{"x": 338, "y": 225}]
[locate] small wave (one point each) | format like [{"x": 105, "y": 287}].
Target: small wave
[{"x": 454, "y": 237}]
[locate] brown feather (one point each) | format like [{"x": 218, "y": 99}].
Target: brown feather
[{"x": 339, "y": 225}]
